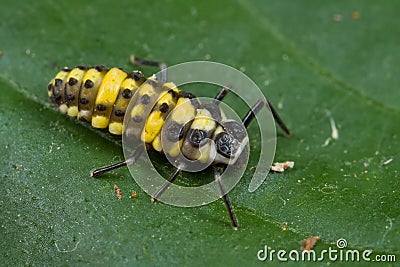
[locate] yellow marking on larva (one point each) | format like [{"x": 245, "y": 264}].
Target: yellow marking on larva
[
  {"x": 77, "y": 74},
  {"x": 131, "y": 84},
  {"x": 174, "y": 148},
  {"x": 218, "y": 130},
  {"x": 147, "y": 89},
  {"x": 137, "y": 110},
  {"x": 73, "y": 111},
  {"x": 205, "y": 153},
  {"x": 95, "y": 76},
  {"x": 110, "y": 85},
  {"x": 85, "y": 114},
  {"x": 59, "y": 90},
  {"x": 156, "y": 118},
  {"x": 184, "y": 111},
  {"x": 154, "y": 123},
  {"x": 171, "y": 85},
  {"x": 106, "y": 96},
  {"x": 157, "y": 143},
  {"x": 115, "y": 128},
  {"x": 99, "y": 121},
  {"x": 63, "y": 108},
  {"x": 116, "y": 122},
  {"x": 141, "y": 109},
  {"x": 203, "y": 121},
  {"x": 62, "y": 75}
]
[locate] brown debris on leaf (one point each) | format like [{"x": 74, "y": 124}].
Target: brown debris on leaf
[
  {"x": 118, "y": 191},
  {"x": 308, "y": 243},
  {"x": 282, "y": 166}
]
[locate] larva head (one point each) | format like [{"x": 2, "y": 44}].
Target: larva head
[{"x": 230, "y": 141}]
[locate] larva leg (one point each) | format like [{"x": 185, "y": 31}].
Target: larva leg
[
  {"x": 256, "y": 108},
  {"x": 162, "y": 189},
  {"x": 151, "y": 63},
  {"x": 222, "y": 93},
  {"x": 218, "y": 170},
  {"x": 136, "y": 154}
]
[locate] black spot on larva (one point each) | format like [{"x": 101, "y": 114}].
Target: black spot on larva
[
  {"x": 89, "y": 83},
  {"x": 119, "y": 113},
  {"x": 82, "y": 67},
  {"x": 164, "y": 107},
  {"x": 83, "y": 119},
  {"x": 100, "y": 68},
  {"x": 101, "y": 107},
  {"x": 83, "y": 101},
  {"x": 127, "y": 93},
  {"x": 137, "y": 118},
  {"x": 185, "y": 94},
  {"x": 50, "y": 87},
  {"x": 235, "y": 129},
  {"x": 57, "y": 97},
  {"x": 145, "y": 99},
  {"x": 139, "y": 75},
  {"x": 197, "y": 137},
  {"x": 72, "y": 81},
  {"x": 193, "y": 100},
  {"x": 225, "y": 144},
  {"x": 70, "y": 97},
  {"x": 131, "y": 75},
  {"x": 57, "y": 82},
  {"x": 172, "y": 93},
  {"x": 152, "y": 83},
  {"x": 135, "y": 75}
]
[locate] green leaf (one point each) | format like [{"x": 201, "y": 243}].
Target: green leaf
[{"x": 318, "y": 62}]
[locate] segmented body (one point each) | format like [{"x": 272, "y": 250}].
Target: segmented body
[{"x": 101, "y": 96}]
